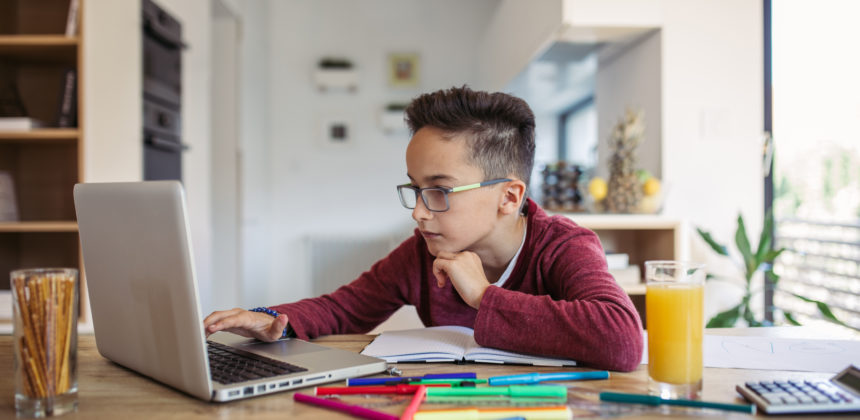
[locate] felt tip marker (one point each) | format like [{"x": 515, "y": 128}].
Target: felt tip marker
[{"x": 534, "y": 378}]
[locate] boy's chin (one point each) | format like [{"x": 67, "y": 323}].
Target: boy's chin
[{"x": 435, "y": 250}]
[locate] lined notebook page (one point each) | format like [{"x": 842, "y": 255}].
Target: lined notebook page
[
  {"x": 432, "y": 344},
  {"x": 446, "y": 344},
  {"x": 490, "y": 355}
]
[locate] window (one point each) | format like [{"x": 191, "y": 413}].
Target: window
[
  {"x": 577, "y": 134},
  {"x": 815, "y": 181}
]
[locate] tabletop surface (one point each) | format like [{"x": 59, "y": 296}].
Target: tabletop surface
[{"x": 107, "y": 390}]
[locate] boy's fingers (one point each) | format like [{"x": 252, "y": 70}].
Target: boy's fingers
[
  {"x": 219, "y": 315},
  {"x": 439, "y": 267},
  {"x": 238, "y": 320},
  {"x": 276, "y": 330}
]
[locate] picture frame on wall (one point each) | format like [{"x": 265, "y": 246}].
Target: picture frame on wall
[
  {"x": 336, "y": 132},
  {"x": 404, "y": 70}
]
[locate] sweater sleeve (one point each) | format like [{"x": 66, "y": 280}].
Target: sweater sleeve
[
  {"x": 585, "y": 316},
  {"x": 360, "y": 305}
]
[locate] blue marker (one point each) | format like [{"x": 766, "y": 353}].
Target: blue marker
[
  {"x": 533, "y": 378},
  {"x": 408, "y": 379}
]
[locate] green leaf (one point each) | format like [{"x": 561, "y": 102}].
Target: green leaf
[
  {"x": 790, "y": 318},
  {"x": 743, "y": 243},
  {"x": 823, "y": 308},
  {"x": 718, "y": 248},
  {"x": 728, "y": 279},
  {"x": 772, "y": 254},
  {"x": 773, "y": 277},
  {"x": 765, "y": 240},
  {"x": 749, "y": 317},
  {"x": 725, "y": 319}
]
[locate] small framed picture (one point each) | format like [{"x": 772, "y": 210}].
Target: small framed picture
[
  {"x": 8, "y": 204},
  {"x": 336, "y": 132},
  {"x": 403, "y": 69}
]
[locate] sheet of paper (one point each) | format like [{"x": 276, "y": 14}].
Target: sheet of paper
[{"x": 791, "y": 354}]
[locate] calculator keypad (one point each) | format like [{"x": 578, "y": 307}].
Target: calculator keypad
[{"x": 799, "y": 396}]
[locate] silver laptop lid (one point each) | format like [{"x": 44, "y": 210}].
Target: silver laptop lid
[{"x": 140, "y": 276}]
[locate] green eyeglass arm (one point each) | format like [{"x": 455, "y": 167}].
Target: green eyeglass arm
[{"x": 479, "y": 184}]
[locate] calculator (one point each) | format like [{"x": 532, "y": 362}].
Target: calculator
[{"x": 840, "y": 394}]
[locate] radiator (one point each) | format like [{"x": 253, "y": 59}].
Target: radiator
[{"x": 337, "y": 260}]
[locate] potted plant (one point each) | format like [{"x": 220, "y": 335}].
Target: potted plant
[{"x": 753, "y": 260}]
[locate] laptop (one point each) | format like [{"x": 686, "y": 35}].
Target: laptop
[{"x": 146, "y": 314}]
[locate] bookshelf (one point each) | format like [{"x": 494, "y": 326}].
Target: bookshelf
[
  {"x": 642, "y": 237},
  {"x": 46, "y": 162}
]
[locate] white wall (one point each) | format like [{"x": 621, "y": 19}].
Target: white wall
[
  {"x": 518, "y": 31},
  {"x": 629, "y": 77},
  {"x": 349, "y": 190},
  {"x": 226, "y": 194},
  {"x": 254, "y": 142},
  {"x": 112, "y": 74}
]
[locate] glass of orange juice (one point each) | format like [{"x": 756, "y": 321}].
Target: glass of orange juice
[{"x": 674, "y": 316}]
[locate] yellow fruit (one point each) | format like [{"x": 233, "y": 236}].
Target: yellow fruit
[
  {"x": 597, "y": 188},
  {"x": 651, "y": 186}
]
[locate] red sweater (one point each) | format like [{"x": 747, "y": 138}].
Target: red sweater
[{"x": 559, "y": 301}]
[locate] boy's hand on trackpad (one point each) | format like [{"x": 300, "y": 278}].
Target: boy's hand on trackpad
[{"x": 246, "y": 323}]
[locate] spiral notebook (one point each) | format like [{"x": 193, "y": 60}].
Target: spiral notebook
[{"x": 446, "y": 344}]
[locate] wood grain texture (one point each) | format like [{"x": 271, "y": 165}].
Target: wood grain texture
[{"x": 107, "y": 390}]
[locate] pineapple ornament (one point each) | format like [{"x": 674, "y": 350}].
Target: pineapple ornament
[{"x": 625, "y": 188}]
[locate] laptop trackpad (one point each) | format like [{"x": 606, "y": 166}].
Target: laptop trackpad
[
  {"x": 281, "y": 348},
  {"x": 276, "y": 350}
]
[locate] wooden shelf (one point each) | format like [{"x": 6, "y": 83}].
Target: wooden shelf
[
  {"x": 621, "y": 221},
  {"x": 37, "y": 41},
  {"x": 40, "y": 226},
  {"x": 39, "y": 48},
  {"x": 42, "y": 134},
  {"x": 634, "y": 289}
]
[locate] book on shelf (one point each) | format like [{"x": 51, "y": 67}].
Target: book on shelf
[
  {"x": 5, "y": 305},
  {"x": 72, "y": 18},
  {"x": 615, "y": 260},
  {"x": 19, "y": 123},
  {"x": 447, "y": 344},
  {"x": 628, "y": 275},
  {"x": 8, "y": 202},
  {"x": 67, "y": 114}
]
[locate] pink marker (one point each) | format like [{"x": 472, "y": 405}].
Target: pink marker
[{"x": 353, "y": 410}]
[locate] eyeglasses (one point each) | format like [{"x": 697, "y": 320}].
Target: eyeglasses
[{"x": 436, "y": 198}]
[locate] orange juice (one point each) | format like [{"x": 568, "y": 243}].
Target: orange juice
[{"x": 674, "y": 312}]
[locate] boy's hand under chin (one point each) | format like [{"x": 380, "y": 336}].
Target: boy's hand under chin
[{"x": 466, "y": 273}]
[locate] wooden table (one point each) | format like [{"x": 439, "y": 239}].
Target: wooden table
[{"x": 107, "y": 390}]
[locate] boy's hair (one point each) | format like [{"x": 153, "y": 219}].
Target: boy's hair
[{"x": 499, "y": 128}]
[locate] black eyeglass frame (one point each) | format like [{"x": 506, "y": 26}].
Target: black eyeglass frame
[{"x": 444, "y": 190}]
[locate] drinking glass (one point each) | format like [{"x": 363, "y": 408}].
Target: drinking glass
[
  {"x": 45, "y": 316},
  {"x": 674, "y": 315}
]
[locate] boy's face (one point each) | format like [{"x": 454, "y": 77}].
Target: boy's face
[{"x": 434, "y": 161}]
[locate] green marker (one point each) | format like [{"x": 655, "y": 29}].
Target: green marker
[
  {"x": 655, "y": 400},
  {"x": 511, "y": 391},
  {"x": 452, "y": 382},
  {"x": 495, "y": 400}
]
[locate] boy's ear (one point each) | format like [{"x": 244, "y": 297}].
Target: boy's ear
[{"x": 513, "y": 196}]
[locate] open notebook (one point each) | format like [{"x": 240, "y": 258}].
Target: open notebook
[{"x": 446, "y": 344}]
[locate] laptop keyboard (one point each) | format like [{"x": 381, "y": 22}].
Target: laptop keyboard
[{"x": 229, "y": 365}]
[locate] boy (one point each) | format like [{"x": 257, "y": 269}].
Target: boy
[{"x": 483, "y": 256}]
